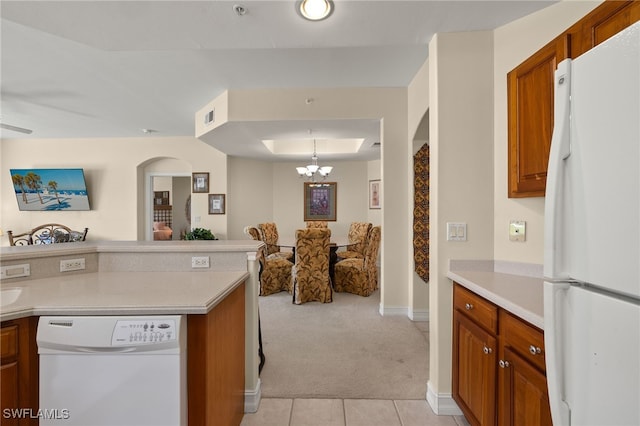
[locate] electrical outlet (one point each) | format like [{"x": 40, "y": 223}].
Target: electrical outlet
[
  {"x": 517, "y": 230},
  {"x": 72, "y": 264},
  {"x": 200, "y": 262},
  {"x": 15, "y": 271}
]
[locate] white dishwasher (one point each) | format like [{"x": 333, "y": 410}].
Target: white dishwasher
[{"x": 112, "y": 370}]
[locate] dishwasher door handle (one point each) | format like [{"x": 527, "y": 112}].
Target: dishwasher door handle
[{"x": 105, "y": 350}]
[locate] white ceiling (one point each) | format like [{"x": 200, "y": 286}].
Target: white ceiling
[{"x": 80, "y": 69}]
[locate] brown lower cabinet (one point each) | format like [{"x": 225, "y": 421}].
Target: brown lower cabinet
[
  {"x": 498, "y": 365},
  {"x": 18, "y": 372},
  {"x": 215, "y": 366}
]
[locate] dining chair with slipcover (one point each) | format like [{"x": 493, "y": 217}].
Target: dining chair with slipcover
[
  {"x": 253, "y": 232},
  {"x": 360, "y": 276},
  {"x": 274, "y": 275},
  {"x": 318, "y": 224},
  {"x": 310, "y": 273},
  {"x": 358, "y": 235},
  {"x": 269, "y": 235}
]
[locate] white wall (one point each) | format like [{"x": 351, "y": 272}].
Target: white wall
[
  {"x": 264, "y": 192},
  {"x": 114, "y": 171},
  {"x": 418, "y": 101},
  {"x": 389, "y": 105},
  {"x": 461, "y": 174}
]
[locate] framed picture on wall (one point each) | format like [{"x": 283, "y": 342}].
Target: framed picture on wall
[
  {"x": 375, "y": 194},
  {"x": 216, "y": 203},
  {"x": 200, "y": 182},
  {"x": 320, "y": 201}
]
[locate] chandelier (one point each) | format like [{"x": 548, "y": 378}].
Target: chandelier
[{"x": 313, "y": 168}]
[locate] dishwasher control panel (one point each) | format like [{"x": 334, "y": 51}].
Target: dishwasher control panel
[{"x": 144, "y": 330}]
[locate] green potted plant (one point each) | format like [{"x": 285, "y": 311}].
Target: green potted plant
[{"x": 200, "y": 234}]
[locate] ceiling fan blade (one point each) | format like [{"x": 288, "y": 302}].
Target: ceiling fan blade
[{"x": 16, "y": 129}]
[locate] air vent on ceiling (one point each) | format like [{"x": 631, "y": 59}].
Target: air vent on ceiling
[{"x": 210, "y": 117}]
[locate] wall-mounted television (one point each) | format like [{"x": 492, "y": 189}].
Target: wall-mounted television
[{"x": 50, "y": 189}]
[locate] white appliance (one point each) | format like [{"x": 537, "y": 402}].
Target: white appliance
[
  {"x": 592, "y": 238},
  {"x": 108, "y": 370}
]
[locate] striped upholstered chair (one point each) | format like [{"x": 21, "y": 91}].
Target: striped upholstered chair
[
  {"x": 275, "y": 274},
  {"x": 310, "y": 273},
  {"x": 360, "y": 276},
  {"x": 322, "y": 224},
  {"x": 358, "y": 236},
  {"x": 269, "y": 234}
]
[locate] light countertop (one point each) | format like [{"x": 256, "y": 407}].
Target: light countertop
[
  {"x": 123, "y": 293},
  {"x": 516, "y": 287}
]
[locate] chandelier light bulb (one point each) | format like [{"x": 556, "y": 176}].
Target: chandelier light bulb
[{"x": 313, "y": 168}]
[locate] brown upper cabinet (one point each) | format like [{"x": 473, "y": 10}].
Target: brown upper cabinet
[{"x": 530, "y": 93}]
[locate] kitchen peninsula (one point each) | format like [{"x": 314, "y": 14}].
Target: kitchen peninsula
[{"x": 144, "y": 278}]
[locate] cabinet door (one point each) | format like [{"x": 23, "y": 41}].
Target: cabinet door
[
  {"x": 474, "y": 371},
  {"x": 530, "y": 118},
  {"x": 606, "y": 20},
  {"x": 523, "y": 397}
]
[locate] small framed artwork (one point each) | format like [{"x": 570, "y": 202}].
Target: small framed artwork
[
  {"x": 200, "y": 182},
  {"x": 320, "y": 201},
  {"x": 375, "y": 194},
  {"x": 216, "y": 204}
]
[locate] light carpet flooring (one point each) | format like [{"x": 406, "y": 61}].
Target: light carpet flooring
[
  {"x": 343, "y": 364},
  {"x": 343, "y": 349}
]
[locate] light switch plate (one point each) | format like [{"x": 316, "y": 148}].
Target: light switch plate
[
  {"x": 456, "y": 231},
  {"x": 517, "y": 230}
]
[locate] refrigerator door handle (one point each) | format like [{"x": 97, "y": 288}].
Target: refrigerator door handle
[
  {"x": 555, "y": 355},
  {"x": 560, "y": 150}
]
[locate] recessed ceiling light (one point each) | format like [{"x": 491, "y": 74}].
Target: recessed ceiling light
[{"x": 315, "y": 10}]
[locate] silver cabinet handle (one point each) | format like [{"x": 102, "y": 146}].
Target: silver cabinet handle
[
  {"x": 535, "y": 350},
  {"x": 468, "y": 306},
  {"x": 487, "y": 350},
  {"x": 504, "y": 364}
]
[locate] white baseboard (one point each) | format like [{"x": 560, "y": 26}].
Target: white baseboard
[
  {"x": 413, "y": 315},
  {"x": 393, "y": 311},
  {"x": 442, "y": 404},
  {"x": 252, "y": 399},
  {"x": 419, "y": 315}
]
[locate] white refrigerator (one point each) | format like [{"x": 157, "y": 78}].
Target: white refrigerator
[{"x": 592, "y": 238}]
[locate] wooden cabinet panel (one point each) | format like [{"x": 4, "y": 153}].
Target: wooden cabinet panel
[
  {"x": 215, "y": 369},
  {"x": 523, "y": 338},
  {"x": 476, "y": 308},
  {"x": 530, "y": 93},
  {"x": 530, "y": 119},
  {"x": 606, "y": 20},
  {"x": 523, "y": 399},
  {"x": 498, "y": 378},
  {"x": 19, "y": 370},
  {"x": 474, "y": 371}
]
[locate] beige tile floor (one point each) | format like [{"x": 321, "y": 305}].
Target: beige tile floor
[{"x": 347, "y": 412}]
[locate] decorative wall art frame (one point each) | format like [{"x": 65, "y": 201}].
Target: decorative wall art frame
[
  {"x": 217, "y": 204},
  {"x": 320, "y": 201},
  {"x": 50, "y": 189},
  {"x": 200, "y": 182},
  {"x": 375, "y": 194}
]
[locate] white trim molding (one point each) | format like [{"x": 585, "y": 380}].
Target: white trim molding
[
  {"x": 419, "y": 315},
  {"x": 442, "y": 404},
  {"x": 252, "y": 398}
]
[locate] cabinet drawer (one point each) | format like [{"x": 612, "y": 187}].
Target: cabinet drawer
[
  {"x": 523, "y": 338},
  {"x": 483, "y": 312},
  {"x": 9, "y": 342}
]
